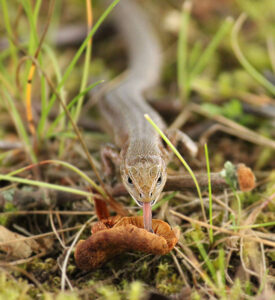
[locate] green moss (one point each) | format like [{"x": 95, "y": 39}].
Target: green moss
[
  {"x": 249, "y": 198},
  {"x": 108, "y": 293},
  {"x": 195, "y": 296},
  {"x": 9, "y": 206},
  {"x": 167, "y": 281},
  {"x": 197, "y": 233},
  {"x": 67, "y": 296},
  {"x": 136, "y": 291},
  {"x": 242, "y": 81},
  {"x": 264, "y": 158},
  {"x": 271, "y": 255},
  {"x": 257, "y": 55},
  {"x": 12, "y": 289},
  {"x": 266, "y": 217},
  {"x": 61, "y": 296},
  {"x": 43, "y": 264},
  {"x": 236, "y": 290},
  {"x": 225, "y": 84}
]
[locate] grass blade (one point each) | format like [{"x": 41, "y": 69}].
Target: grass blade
[
  {"x": 205, "y": 256},
  {"x": 181, "y": 159},
  {"x": 69, "y": 106},
  {"x": 75, "y": 60},
  {"x": 209, "y": 193},
  {"x": 183, "y": 80},
  {"x": 20, "y": 127},
  {"x": 87, "y": 61},
  {"x": 243, "y": 61},
  {"x": 45, "y": 185},
  {"x": 6, "y": 18},
  {"x": 211, "y": 48}
]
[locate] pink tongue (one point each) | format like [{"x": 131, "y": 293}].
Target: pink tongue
[{"x": 147, "y": 216}]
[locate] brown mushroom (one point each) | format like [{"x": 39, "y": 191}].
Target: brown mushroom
[
  {"x": 246, "y": 178},
  {"x": 115, "y": 235}
]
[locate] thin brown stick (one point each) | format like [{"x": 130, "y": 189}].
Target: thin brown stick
[
  {"x": 29, "y": 276},
  {"x": 196, "y": 267},
  {"x": 69, "y": 251},
  {"x": 60, "y": 226},
  {"x": 55, "y": 231},
  {"x": 46, "y": 212},
  {"x": 22, "y": 261},
  {"x": 39, "y": 236},
  {"x": 183, "y": 183},
  {"x": 179, "y": 269}
]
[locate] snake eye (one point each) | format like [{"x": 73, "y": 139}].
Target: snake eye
[
  {"x": 159, "y": 180},
  {"x": 130, "y": 181}
]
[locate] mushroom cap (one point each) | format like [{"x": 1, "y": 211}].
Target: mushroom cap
[
  {"x": 246, "y": 178},
  {"x": 116, "y": 235}
]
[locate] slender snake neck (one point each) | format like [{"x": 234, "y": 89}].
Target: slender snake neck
[{"x": 123, "y": 106}]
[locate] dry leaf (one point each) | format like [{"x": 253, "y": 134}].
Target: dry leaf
[{"x": 18, "y": 249}]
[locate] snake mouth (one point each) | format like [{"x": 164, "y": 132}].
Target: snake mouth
[
  {"x": 139, "y": 203},
  {"x": 153, "y": 202}
]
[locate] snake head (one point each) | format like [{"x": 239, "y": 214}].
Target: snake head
[{"x": 144, "y": 178}]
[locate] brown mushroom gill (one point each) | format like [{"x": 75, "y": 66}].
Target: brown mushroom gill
[{"x": 115, "y": 235}]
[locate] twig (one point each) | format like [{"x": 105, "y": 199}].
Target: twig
[
  {"x": 182, "y": 183},
  {"x": 22, "y": 261},
  {"x": 29, "y": 276},
  {"x": 68, "y": 253},
  {"x": 39, "y": 236},
  {"x": 46, "y": 212},
  {"x": 179, "y": 269},
  {"x": 55, "y": 231}
]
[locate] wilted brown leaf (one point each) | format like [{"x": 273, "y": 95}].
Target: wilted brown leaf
[{"x": 18, "y": 249}]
